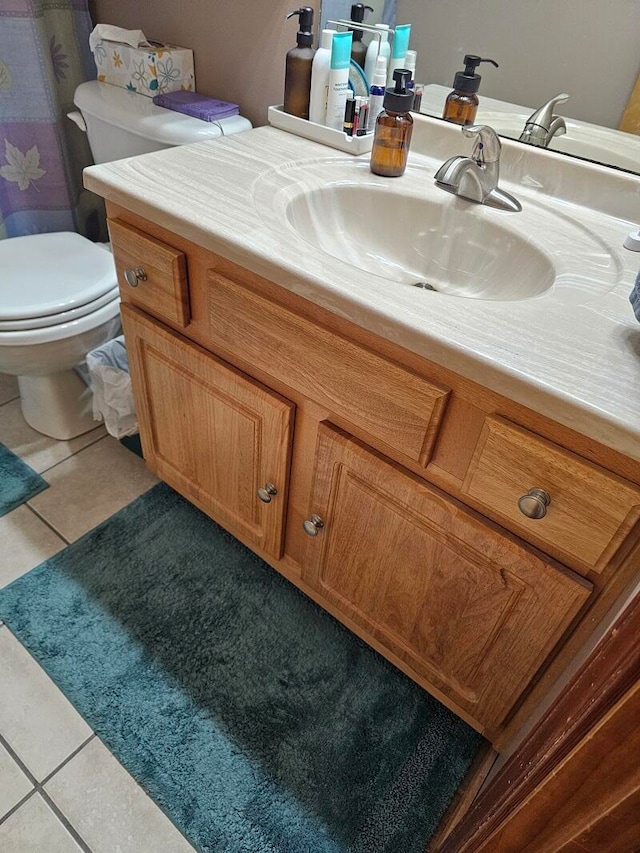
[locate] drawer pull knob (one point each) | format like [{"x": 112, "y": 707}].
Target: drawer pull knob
[
  {"x": 534, "y": 504},
  {"x": 266, "y": 492},
  {"x": 312, "y": 526},
  {"x": 133, "y": 277}
]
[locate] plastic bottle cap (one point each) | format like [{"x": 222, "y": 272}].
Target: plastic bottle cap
[
  {"x": 467, "y": 81},
  {"x": 305, "y": 26},
  {"x": 326, "y": 39},
  {"x": 357, "y": 16},
  {"x": 380, "y": 76},
  {"x": 399, "y": 99},
  {"x": 632, "y": 241}
]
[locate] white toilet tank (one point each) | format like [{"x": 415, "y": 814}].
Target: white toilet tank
[{"x": 121, "y": 124}]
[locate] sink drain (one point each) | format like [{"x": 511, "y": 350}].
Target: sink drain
[{"x": 424, "y": 285}]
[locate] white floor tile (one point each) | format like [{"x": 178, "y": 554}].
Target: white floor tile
[
  {"x": 36, "y": 720},
  {"x": 90, "y": 486},
  {"x": 108, "y": 808},
  {"x": 37, "y": 450},
  {"x": 8, "y": 388},
  {"x": 34, "y": 828},
  {"x": 14, "y": 785},
  {"x": 25, "y": 542}
]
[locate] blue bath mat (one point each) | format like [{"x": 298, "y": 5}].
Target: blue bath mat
[
  {"x": 256, "y": 721},
  {"x": 18, "y": 482}
]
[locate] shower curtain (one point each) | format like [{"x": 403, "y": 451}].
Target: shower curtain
[{"x": 44, "y": 55}]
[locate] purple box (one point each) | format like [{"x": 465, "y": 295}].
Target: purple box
[{"x": 198, "y": 106}]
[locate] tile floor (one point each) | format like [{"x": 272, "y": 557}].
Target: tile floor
[{"x": 61, "y": 790}]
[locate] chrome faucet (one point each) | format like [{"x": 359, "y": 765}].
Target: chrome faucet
[
  {"x": 476, "y": 177},
  {"x": 543, "y": 125}
]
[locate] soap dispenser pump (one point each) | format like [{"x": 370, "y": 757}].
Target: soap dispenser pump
[
  {"x": 461, "y": 105},
  {"x": 358, "y": 48},
  {"x": 394, "y": 127},
  {"x": 297, "y": 79}
]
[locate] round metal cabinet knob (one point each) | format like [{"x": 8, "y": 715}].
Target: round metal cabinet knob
[
  {"x": 133, "y": 277},
  {"x": 312, "y": 526},
  {"x": 534, "y": 504},
  {"x": 266, "y": 492}
]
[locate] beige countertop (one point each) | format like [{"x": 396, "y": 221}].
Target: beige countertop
[{"x": 572, "y": 353}]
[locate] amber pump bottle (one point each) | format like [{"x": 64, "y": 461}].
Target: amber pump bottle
[
  {"x": 297, "y": 78},
  {"x": 394, "y": 126},
  {"x": 461, "y": 105}
]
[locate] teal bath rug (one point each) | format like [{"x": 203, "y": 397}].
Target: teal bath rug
[
  {"x": 255, "y": 720},
  {"x": 18, "y": 481}
]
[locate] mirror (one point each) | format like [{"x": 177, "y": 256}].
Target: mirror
[{"x": 582, "y": 47}]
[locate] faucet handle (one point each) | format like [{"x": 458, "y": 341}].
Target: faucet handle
[{"x": 487, "y": 146}]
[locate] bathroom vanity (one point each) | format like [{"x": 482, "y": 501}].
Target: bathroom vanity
[{"x": 455, "y": 479}]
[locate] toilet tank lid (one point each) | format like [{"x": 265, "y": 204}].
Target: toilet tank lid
[
  {"x": 51, "y": 273},
  {"x": 139, "y": 115}
]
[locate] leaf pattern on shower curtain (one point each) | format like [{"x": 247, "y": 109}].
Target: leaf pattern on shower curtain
[
  {"x": 6, "y": 81},
  {"x": 23, "y": 169},
  {"x": 44, "y": 56}
]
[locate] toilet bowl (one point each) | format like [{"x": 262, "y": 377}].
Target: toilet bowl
[
  {"x": 58, "y": 292},
  {"x": 58, "y": 300}
]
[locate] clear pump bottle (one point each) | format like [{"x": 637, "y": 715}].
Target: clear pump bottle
[{"x": 394, "y": 127}]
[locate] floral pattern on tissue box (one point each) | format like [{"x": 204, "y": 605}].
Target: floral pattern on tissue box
[{"x": 148, "y": 70}]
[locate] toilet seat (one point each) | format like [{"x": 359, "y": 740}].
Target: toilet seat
[
  {"x": 57, "y": 319},
  {"x": 52, "y": 275}
]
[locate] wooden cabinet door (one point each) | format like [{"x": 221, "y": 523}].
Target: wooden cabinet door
[
  {"x": 468, "y": 607},
  {"x": 211, "y": 432}
]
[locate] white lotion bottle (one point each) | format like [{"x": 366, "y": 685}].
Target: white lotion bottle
[
  {"x": 377, "y": 47},
  {"x": 338, "y": 79},
  {"x": 320, "y": 78},
  {"x": 377, "y": 91}
]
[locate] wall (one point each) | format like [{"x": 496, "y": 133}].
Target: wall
[
  {"x": 239, "y": 45},
  {"x": 588, "y": 48}
]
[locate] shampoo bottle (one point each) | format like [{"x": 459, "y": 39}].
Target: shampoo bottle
[
  {"x": 377, "y": 47},
  {"x": 399, "y": 51},
  {"x": 297, "y": 79},
  {"x": 338, "y": 79},
  {"x": 358, "y": 48},
  {"x": 320, "y": 79},
  {"x": 394, "y": 126},
  {"x": 461, "y": 105}
]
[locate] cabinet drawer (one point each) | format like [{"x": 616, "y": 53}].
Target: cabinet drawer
[
  {"x": 590, "y": 513},
  {"x": 161, "y": 286},
  {"x": 382, "y": 398}
]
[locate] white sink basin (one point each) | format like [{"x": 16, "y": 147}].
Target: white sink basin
[
  {"x": 415, "y": 241},
  {"x": 411, "y": 233}
]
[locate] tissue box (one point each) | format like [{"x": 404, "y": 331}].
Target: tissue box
[{"x": 149, "y": 69}]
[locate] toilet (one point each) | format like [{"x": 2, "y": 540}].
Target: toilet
[{"x": 59, "y": 291}]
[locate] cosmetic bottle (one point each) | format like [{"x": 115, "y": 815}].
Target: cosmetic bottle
[
  {"x": 377, "y": 91},
  {"x": 358, "y": 48},
  {"x": 320, "y": 79},
  {"x": 461, "y": 105},
  {"x": 394, "y": 126},
  {"x": 338, "y": 79},
  {"x": 377, "y": 47},
  {"x": 399, "y": 50},
  {"x": 297, "y": 79}
]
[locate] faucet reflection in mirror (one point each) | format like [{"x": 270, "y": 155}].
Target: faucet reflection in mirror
[{"x": 543, "y": 125}]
